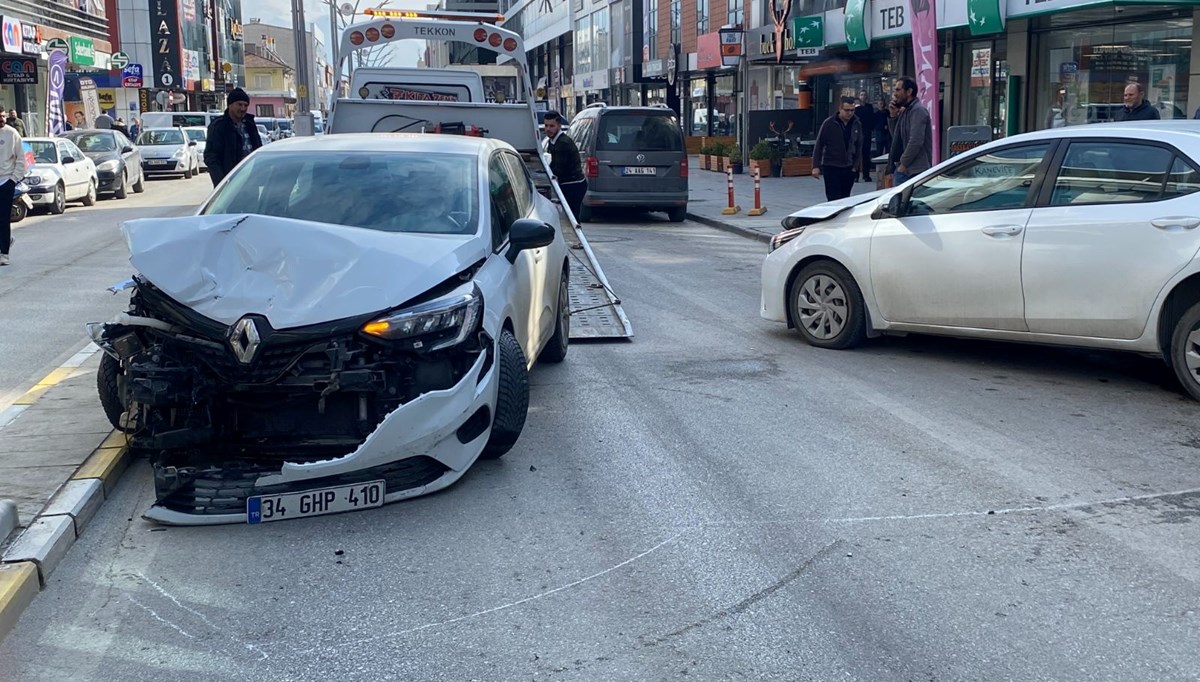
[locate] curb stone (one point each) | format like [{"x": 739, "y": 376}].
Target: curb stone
[
  {"x": 728, "y": 227},
  {"x": 18, "y": 587},
  {"x": 9, "y": 518}
]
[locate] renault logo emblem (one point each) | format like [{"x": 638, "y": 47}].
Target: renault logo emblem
[
  {"x": 244, "y": 339},
  {"x": 641, "y": 158}
]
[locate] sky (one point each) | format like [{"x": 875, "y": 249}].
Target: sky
[{"x": 279, "y": 13}]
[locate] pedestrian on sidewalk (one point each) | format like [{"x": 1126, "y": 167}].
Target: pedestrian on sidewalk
[
  {"x": 565, "y": 164},
  {"x": 838, "y": 152},
  {"x": 912, "y": 142},
  {"x": 15, "y": 121},
  {"x": 1136, "y": 106},
  {"x": 12, "y": 171},
  {"x": 231, "y": 137},
  {"x": 865, "y": 113}
]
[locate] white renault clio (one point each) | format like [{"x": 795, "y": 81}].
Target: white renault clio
[
  {"x": 1083, "y": 236},
  {"x": 348, "y": 321}
]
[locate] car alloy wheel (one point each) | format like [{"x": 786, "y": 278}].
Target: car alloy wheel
[
  {"x": 823, "y": 307},
  {"x": 1185, "y": 350},
  {"x": 60, "y": 199},
  {"x": 827, "y": 307}
]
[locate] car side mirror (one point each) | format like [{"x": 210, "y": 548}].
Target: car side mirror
[
  {"x": 126, "y": 150},
  {"x": 192, "y": 143},
  {"x": 68, "y": 159},
  {"x": 528, "y": 233},
  {"x": 894, "y": 208}
]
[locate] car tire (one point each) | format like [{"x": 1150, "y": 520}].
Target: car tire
[
  {"x": 187, "y": 174},
  {"x": 59, "y": 205},
  {"x": 677, "y": 214},
  {"x": 585, "y": 214},
  {"x": 18, "y": 212},
  {"x": 556, "y": 350},
  {"x": 122, "y": 190},
  {"x": 1185, "y": 350},
  {"x": 110, "y": 379},
  {"x": 140, "y": 185},
  {"x": 89, "y": 199},
  {"x": 512, "y": 399},
  {"x": 827, "y": 294}
]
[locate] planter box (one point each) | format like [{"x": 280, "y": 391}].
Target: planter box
[
  {"x": 763, "y": 165},
  {"x": 693, "y": 143},
  {"x": 720, "y": 164},
  {"x": 730, "y": 161},
  {"x": 706, "y": 162},
  {"x": 797, "y": 165}
]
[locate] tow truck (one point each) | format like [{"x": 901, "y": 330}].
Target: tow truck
[{"x": 429, "y": 100}]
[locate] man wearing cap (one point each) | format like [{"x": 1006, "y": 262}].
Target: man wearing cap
[{"x": 231, "y": 137}]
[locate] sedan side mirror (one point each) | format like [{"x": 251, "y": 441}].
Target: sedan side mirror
[
  {"x": 192, "y": 143},
  {"x": 528, "y": 233},
  {"x": 126, "y": 150},
  {"x": 894, "y": 208},
  {"x": 68, "y": 159}
]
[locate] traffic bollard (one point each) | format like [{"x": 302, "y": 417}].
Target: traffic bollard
[
  {"x": 732, "y": 208},
  {"x": 758, "y": 209}
]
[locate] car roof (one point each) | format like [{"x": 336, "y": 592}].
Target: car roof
[
  {"x": 391, "y": 142},
  {"x": 625, "y": 110},
  {"x": 88, "y": 130},
  {"x": 40, "y": 139},
  {"x": 1177, "y": 131}
]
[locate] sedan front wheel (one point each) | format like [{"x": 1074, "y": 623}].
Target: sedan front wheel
[
  {"x": 1185, "y": 350},
  {"x": 827, "y": 307}
]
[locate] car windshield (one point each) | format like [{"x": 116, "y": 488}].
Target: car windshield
[
  {"x": 43, "y": 152},
  {"x": 426, "y": 193},
  {"x": 197, "y": 134},
  {"x": 94, "y": 142},
  {"x": 285, "y": 125},
  {"x": 639, "y": 132},
  {"x": 160, "y": 137}
]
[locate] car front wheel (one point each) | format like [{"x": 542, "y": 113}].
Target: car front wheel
[
  {"x": 827, "y": 307},
  {"x": 512, "y": 401},
  {"x": 1185, "y": 350},
  {"x": 59, "y": 204},
  {"x": 556, "y": 349}
]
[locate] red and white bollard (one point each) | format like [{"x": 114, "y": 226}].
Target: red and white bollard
[
  {"x": 732, "y": 208},
  {"x": 758, "y": 209}
]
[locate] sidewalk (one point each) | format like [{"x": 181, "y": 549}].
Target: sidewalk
[{"x": 708, "y": 194}]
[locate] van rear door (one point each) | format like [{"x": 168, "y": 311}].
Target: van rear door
[{"x": 639, "y": 151}]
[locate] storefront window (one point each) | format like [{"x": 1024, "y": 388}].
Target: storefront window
[
  {"x": 1084, "y": 67},
  {"x": 787, "y": 88},
  {"x": 985, "y": 86},
  {"x": 760, "y": 88},
  {"x": 698, "y": 106},
  {"x": 725, "y": 104}
]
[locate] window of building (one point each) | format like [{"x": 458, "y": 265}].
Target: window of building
[
  {"x": 651, "y": 29},
  {"x": 701, "y": 17},
  {"x": 583, "y": 45},
  {"x": 265, "y": 110},
  {"x": 735, "y": 13},
  {"x": 600, "y": 51},
  {"x": 262, "y": 81},
  {"x": 676, "y": 22}
]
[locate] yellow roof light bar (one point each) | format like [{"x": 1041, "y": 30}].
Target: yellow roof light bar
[{"x": 448, "y": 16}]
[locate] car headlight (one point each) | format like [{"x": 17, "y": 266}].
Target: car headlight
[
  {"x": 785, "y": 237},
  {"x": 178, "y": 154},
  {"x": 443, "y": 322},
  {"x": 110, "y": 165},
  {"x": 34, "y": 180}
]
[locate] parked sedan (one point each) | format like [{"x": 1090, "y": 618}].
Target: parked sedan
[
  {"x": 60, "y": 173},
  {"x": 168, "y": 151},
  {"x": 118, "y": 162},
  {"x": 268, "y": 370},
  {"x": 199, "y": 135},
  {"x": 1081, "y": 236}
]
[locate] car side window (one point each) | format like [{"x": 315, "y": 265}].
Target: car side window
[
  {"x": 1182, "y": 180},
  {"x": 503, "y": 199},
  {"x": 997, "y": 180},
  {"x": 1111, "y": 173},
  {"x": 522, "y": 185},
  {"x": 581, "y": 132},
  {"x": 64, "y": 150}
]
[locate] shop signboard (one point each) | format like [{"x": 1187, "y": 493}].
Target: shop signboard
[
  {"x": 708, "y": 51},
  {"x": 18, "y": 71},
  {"x": 55, "y": 113},
  {"x": 986, "y": 16},
  {"x": 961, "y": 139},
  {"x": 132, "y": 76},
  {"x": 857, "y": 26},
  {"x": 164, "y": 32},
  {"x": 31, "y": 38},
  {"x": 10, "y": 35},
  {"x": 923, "y": 18},
  {"x": 83, "y": 51},
  {"x": 731, "y": 46},
  {"x": 118, "y": 60},
  {"x": 981, "y": 68}
]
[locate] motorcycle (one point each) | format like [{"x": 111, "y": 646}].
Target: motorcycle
[{"x": 22, "y": 204}]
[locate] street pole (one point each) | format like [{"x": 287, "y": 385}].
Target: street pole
[
  {"x": 744, "y": 128},
  {"x": 304, "y": 117}
]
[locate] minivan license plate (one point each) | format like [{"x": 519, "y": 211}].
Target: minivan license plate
[
  {"x": 264, "y": 508},
  {"x": 641, "y": 170}
]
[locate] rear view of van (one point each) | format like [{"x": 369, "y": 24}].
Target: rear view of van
[{"x": 634, "y": 158}]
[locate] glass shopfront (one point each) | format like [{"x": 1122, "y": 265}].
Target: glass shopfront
[
  {"x": 1087, "y": 57},
  {"x": 984, "y": 85},
  {"x": 697, "y": 103}
]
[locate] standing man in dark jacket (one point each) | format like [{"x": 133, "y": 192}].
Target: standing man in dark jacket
[
  {"x": 865, "y": 113},
  {"x": 1136, "y": 106},
  {"x": 912, "y": 141},
  {"x": 231, "y": 137},
  {"x": 838, "y": 152},
  {"x": 565, "y": 163}
]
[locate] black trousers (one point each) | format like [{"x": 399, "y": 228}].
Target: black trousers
[
  {"x": 6, "y": 200},
  {"x": 838, "y": 181},
  {"x": 574, "y": 192},
  {"x": 866, "y": 158}
]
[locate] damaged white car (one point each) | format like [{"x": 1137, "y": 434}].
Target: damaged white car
[{"x": 347, "y": 321}]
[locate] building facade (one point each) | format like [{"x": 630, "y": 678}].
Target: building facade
[
  {"x": 270, "y": 82},
  {"x": 547, "y": 28},
  {"x": 320, "y": 73}
]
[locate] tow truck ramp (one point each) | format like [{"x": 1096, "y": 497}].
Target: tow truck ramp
[{"x": 596, "y": 311}]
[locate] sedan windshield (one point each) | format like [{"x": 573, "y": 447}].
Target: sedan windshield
[
  {"x": 197, "y": 134},
  {"x": 387, "y": 191},
  {"x": 94, "y": 142},
  {"x": 43, "y": 152},
  {"x": 160, "y": 137}
]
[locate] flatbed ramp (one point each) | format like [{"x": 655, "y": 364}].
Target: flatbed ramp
[{"x": 596, "y": 311}]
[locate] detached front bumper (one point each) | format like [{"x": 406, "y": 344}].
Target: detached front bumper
[{"x": 420, "y": 447}]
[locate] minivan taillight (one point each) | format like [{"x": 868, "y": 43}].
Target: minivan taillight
[
  {"x": 593, "y": 167},
  {"x": 683, "y": 167}
]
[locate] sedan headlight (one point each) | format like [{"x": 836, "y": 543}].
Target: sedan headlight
[
  {"x": 785, "y": 237},
  {"x": 110, "y": 165},
  {"x": 178, "y": 154},
  {"x": 33, "y": 180},
  {"x": 443, "y": 322}
]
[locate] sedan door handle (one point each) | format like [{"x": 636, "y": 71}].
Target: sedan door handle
[
  {"x": 1003, "y": 230},
  {"x": 1176, "y": 223}
]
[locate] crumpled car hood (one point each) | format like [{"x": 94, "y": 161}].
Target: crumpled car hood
[
  {"x": 293, "y": 272},
  {"x": 824, "y": 211}
]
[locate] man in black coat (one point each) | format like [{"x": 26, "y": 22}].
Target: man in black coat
[
  {"x": 1136, "y": 106},
  {"x": 866, "y": 118},
  {"x": 231, "y": 137},
  {"x": 565, "y": 162},
  {"x": 838, "y": 152}
]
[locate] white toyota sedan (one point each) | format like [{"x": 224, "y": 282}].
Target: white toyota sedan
[
  {"x": 1083, "y": 236},
  {"x": 347, "y": 321}
]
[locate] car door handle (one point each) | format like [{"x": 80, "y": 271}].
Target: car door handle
[
  {"x": 1176, "y": 223},
  {"x": 1003, "y": 230}
]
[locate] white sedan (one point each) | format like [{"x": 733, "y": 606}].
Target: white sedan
[
  {"x": 60, "y": 173},
  {"x": 1084, "y": 236},
  {"x": 307, "y": 344}
]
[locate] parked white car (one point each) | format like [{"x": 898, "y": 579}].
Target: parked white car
[
  {"x": 1080, "y": 236},
  {"x": 199, "y": 135},
  {"x": 168, "y": 151},
  {"x": 60, "y": 173},
  {"x": 314, "y": 356}
]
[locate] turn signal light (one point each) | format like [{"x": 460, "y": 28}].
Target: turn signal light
[{"x": 593, "y": 167}]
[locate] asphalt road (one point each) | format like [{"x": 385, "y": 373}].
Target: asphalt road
[
  {"x": 714, "y": 500},
  {"x": 61, "y": 266}
]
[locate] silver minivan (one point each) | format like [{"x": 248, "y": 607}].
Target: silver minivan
[{"x": 634, "y": 158}]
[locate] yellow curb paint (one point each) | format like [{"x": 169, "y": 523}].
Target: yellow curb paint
[
  {"x": 18, "y": 586},
  {"x": 31, "y": 396},
  {"x": 48, "y": 382},
  {"x": 116, "y": 439},
  {"x": 104, "y": 464}
]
